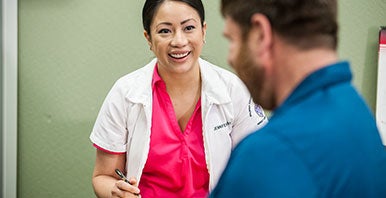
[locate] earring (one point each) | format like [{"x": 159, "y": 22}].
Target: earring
[{"x": 204, "y": 41}]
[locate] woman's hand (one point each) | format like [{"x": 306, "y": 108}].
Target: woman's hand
[{"x": 123, "y": 189}]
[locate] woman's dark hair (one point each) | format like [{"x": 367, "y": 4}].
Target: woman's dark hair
[
  {"x": 151, "y": 7},
  {"x": 304, "y": 23}
]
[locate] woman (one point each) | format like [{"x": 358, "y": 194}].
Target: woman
[{"x": 171, "y": 125}]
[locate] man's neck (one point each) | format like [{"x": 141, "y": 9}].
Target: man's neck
[{"x": 293, "y": 66}]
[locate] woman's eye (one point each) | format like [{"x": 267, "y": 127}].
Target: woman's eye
[
  {"x": 163, "y": 31},
  {"x": 190, "y": 27}
]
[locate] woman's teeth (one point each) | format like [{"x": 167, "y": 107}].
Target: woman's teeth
[{"x": 179, "y": 55}]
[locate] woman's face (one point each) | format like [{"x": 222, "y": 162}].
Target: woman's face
[{"x": 176, "y": 37}]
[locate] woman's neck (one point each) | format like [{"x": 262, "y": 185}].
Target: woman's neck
[{"x": 181, "y": 81}]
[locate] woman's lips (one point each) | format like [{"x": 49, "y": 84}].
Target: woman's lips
[{"x": 179, "y": 55}]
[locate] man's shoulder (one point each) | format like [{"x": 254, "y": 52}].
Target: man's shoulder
[{"x": 261, "y": 142}]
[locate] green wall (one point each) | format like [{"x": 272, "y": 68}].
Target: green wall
[
  {"x": 359, "y": 29},
  {"x": 72, "y": 51}
]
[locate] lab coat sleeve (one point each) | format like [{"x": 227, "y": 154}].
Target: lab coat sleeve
[
  {"x": 109, "y": 131},
  {"x": 249, "y": 117}
]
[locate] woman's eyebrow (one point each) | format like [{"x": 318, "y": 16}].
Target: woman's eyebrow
[
  {"x": 170, "y": 24},
  {"x": 187, "y": 20}
]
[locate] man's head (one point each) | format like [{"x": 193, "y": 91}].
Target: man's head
[
  {"x": 297, "y": 21},
  {"x": 258, "y": 30}
]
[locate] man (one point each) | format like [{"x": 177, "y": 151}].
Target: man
[{"x": 322, "y": 140}]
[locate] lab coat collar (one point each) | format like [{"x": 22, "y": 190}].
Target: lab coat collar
[{"x": 212, "y": 88}]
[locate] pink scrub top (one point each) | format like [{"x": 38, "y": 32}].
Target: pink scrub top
[{"x": 176, "y": 165}]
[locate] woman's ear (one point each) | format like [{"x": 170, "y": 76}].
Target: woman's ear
[
  {"x": 148, "y": 38},
  {"x": 204, "y": 32}
]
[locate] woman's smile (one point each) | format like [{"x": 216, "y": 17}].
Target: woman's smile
[{"x": 179, "y": 55}]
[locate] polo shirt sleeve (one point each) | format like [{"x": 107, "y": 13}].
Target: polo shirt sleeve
[
  {"x": 109, "y": 132},
  {"x": 264, "y": 166}
]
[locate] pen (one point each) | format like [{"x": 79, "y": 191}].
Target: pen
[
  {"x": 121, "y": 175},
  {"x": 124, "y": 178}
]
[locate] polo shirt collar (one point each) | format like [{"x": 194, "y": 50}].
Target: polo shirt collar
[
  {"x": 324, "y": 77},
  {"x": 156, "y": 77}
]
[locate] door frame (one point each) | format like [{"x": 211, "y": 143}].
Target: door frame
[{"x": 9, "y": 73}]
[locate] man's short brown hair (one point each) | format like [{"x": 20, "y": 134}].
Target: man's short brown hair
[{"x": 303, "y": 23}]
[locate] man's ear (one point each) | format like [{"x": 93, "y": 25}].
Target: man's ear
[
  {"x": 260, "y": 34},
  {"x": 147, "y": 36}
]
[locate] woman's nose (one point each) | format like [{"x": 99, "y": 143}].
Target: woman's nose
[{"x": 179, "y": 39}]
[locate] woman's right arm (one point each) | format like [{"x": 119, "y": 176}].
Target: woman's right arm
[{"x": 105, "y": 182}]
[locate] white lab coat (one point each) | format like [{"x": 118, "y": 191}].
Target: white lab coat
[{"x": 228, "y": 115}]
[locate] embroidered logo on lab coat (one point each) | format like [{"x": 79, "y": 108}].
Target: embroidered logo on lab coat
[{"x": 259, "y": 110}]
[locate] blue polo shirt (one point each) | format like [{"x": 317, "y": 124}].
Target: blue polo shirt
[{"x": 321, "y": 142}]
